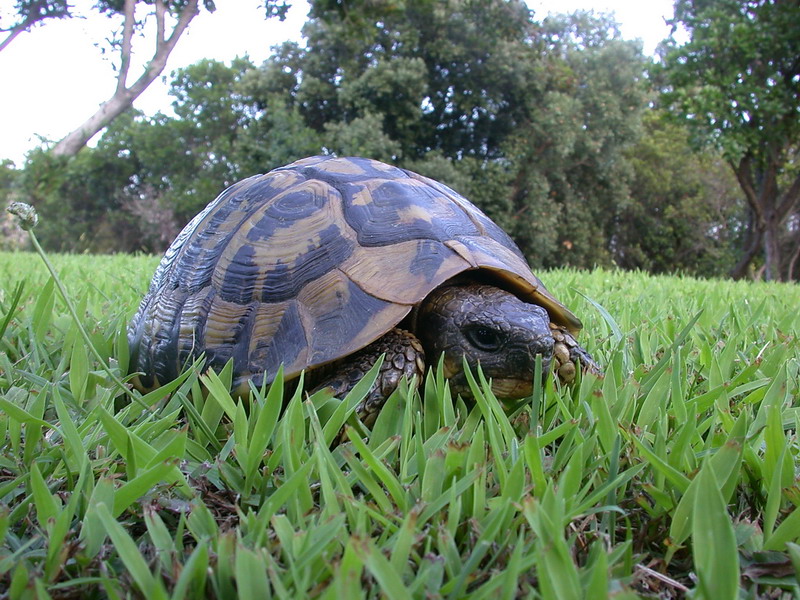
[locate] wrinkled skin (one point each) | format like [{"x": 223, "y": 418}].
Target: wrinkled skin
[
  {"x": 480, "y": 323},
  {"x": 488, "y": 326}
]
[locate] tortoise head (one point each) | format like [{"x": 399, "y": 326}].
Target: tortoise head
[{"x": 488, "y": 326}]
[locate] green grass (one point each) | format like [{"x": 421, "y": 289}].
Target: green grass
[{"x": 676, "y": 474}]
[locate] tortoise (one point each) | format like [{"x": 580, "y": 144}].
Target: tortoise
[{"x": 327, "y": 263}]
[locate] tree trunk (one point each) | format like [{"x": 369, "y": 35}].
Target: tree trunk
[
  {"x": 769, "y": 210},
  {"x": 752, "y": 247},
  {"x": 124, "y": 96},
  {"x": 790, "y": 276},
  {"x": 772, "y": 249},
  {"x": 108, "y": 111}
]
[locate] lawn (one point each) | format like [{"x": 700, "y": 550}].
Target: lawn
[{"x": 675, "y": 474}]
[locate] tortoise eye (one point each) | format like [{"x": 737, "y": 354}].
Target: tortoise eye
[{"x": 484, "y": 338}]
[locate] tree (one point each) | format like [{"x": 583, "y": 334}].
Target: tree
[
  {"x": 572, "y": 172},
  {"x": 81, "y": 200},
  {"x": 210, "y": 116},
  {"x": 30, "y": 13},
  {"x": 528, "y": 120},
  {"x": 125, "y": 92},
  {"x": 172, "y": 18},
  {"x": 148, "y": 175},
  {"x": 685, "y": 211},
  {"x": 736, "y": 83},
  {"x": 532, "y": 121}
]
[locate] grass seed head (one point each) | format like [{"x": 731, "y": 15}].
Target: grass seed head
[{"x": 25, "y": 213}]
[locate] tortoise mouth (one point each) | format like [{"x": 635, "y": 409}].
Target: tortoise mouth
[
  {"x": 512, "y": 388},
  {"x": 504, "y": 388}
]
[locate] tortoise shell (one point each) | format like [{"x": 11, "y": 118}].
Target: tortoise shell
[{"x": 311, "y": 262}]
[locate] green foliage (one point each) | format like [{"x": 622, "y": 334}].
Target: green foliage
[
  {"x": 736, "y": 85},
  {"x": 436, "y": 74},
  {"x": 685, "y": 212},
  {"x": 82, "y": 200},
  {"x": 736, "y": 78},
  {"x": 27, "y": 14},
  {"x": 673, "y": 473},
  {"x": 540, "y": 123},
  {"x": 572, "y": 177},
  {"x": 533, "y": 118}
]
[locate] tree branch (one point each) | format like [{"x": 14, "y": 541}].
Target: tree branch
[
  {"x": 790, "y": 199},
  {"x": 124, "y": 96},
  {"x": 14, "y": 32},
  {"x": 793, "y": 261},
  {"x": 164, "y": 46},
  {"x": 755, "y": 235},
  {"x": 129, "y": 11},
  {"x": 33, "y": 14},
  {"x": 744, "y": 175},
  {"x": 160, "y": 26}
]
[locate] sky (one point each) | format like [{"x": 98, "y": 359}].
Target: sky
[{"x": 55, "y": 77}]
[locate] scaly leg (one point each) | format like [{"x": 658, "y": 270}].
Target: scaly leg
[{"x": 404, "y": 358}]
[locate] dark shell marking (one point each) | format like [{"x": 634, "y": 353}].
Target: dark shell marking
[{"x": 310, "y": 263}]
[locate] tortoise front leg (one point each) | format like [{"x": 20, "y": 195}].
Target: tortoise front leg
[
  {"x": 404, "y": 358},
  {"x": 567, "y": 352}
]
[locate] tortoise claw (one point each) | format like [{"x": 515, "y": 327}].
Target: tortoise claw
[{"x": 567, "y": 353}]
